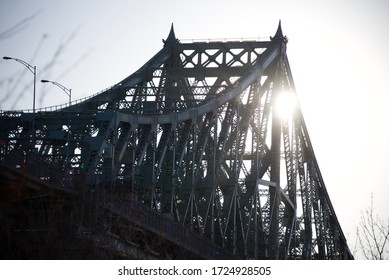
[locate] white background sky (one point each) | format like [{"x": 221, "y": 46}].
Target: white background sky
[{"x": 338, "y": 51}]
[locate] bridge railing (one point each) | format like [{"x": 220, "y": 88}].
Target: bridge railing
[
  {"x": 35, "y": 167},
  {"x": 224, "y": 40},
  {"x": 56, "y": 107},
  {"x": 167, "y": 228}
]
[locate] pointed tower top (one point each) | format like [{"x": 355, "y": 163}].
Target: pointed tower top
[
  {"x": 279, "y": 30},
  {"x": 171, "y": 38},
  {"x": 279, "y": 35}
]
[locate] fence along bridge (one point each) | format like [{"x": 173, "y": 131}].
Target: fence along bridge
[{"x": 188, "y": 157}]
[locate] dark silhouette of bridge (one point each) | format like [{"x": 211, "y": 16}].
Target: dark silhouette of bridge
[{"x": 190, "y": 157}]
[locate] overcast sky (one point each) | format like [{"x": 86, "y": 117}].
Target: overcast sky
[{"x": 338, "y": 51}]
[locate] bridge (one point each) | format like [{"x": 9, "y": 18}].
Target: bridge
[{"x": 193, "y": 156}]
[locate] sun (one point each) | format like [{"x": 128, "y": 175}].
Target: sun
[{"x": 285, "y": 104}]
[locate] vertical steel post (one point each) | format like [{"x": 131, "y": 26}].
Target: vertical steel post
[{"x": 274, "y": 192}]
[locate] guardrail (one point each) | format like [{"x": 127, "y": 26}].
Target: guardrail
[
  {"x": 46, "y": 172},
  {"x": 58, "y": 107},
  {"x": 168, "y": 229},
  {"x": 225, "y": 40}
]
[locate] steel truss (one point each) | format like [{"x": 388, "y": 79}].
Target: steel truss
[{"x": 195, "y": 136}]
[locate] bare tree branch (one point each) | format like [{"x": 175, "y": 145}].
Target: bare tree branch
[
  {"x": 17, "y": 27},
  {"x": 373, "y": 235}
]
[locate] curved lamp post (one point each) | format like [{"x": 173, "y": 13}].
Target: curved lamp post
[
  {"x": 68, "y": 93},
  {"x": 66, "y": 90},
  {"x": 33, "y": 71}
]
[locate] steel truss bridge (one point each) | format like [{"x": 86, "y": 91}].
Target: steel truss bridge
[{"x": 187, "y": 158}]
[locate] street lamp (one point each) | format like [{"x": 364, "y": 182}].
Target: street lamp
[
  {"x": 66, "y": 90},
  {"x": 32, "y": 69},
  {"x": 68, "y": 93}
]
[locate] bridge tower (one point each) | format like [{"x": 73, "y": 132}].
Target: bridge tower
[{"x": 191, "y": 156}]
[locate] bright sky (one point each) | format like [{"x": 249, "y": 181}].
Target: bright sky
[{"x": 338, "y": 51}]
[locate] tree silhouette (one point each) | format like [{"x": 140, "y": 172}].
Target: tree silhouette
[{"x": 373, "y": 235}]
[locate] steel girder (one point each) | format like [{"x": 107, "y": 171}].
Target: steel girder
[{"x": 194, "y": 135}]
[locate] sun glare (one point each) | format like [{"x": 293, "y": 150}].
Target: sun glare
[{"x": 285, "y": 104}]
